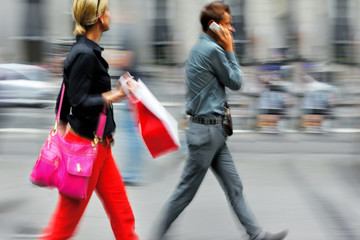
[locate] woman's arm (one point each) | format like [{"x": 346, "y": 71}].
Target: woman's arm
[
  {"x": 61, "y": 127},
  {"x": 118, "y": 93}
]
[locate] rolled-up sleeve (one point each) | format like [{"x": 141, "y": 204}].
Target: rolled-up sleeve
[{"x": 226, "y": 68}]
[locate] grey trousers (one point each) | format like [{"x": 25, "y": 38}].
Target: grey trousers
[{"x": 208, "y": 149}]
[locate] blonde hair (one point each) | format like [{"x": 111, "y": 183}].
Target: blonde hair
[{"x": 85, "y": 15}]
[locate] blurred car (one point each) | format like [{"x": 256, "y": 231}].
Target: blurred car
[{"x": 26, "y": 85}]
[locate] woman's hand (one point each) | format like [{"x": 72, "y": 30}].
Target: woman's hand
[
  {"x": 115, "y": 95},
  {"x": 61, "y": 127},
  {"x": 118, "y": 94}
]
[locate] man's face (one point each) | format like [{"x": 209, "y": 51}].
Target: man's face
[{"x": 226, "y": 22}]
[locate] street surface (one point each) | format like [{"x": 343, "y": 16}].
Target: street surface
[{"x": 307, "y": 183}]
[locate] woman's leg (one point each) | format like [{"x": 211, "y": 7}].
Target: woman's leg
[
  {"x": 111, "y": 191},
  {"x": 68, "y": 212}
]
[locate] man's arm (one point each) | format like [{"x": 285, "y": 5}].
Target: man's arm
[
  {"x": 227, "y": 69},
  {"x": 224, "y": 61}
]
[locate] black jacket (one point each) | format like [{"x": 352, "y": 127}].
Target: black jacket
[{"x": 86, "y": 77}]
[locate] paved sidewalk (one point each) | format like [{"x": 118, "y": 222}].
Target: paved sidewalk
[{"x": 295, "y": 181}]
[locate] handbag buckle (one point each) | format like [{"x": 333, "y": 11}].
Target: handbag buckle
[
  {"x": 54, "y": 131},
  {"x": 78, "y": 167},
  {"x": 96, "y": 141}
]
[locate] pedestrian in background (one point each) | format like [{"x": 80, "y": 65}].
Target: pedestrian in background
[
  {"x": 272, "y": 107},
  {"x": 87, "y": 90},
  {"x": 134, "y": 157},
  {"x": 211, "y": 67}
]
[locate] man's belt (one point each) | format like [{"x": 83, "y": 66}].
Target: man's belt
[{"x": 206, "y": 120}]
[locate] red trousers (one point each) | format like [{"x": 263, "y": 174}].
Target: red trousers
[{"x": 108, "y": 184}]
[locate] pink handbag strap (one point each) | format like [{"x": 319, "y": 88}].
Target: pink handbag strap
[
  {"x": 60, "y": 103},
  {"x": 99, "y": 133},
  {"x": 100, "y": 127}
]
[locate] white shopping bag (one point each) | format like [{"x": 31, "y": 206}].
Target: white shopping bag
[{"x": 157, "y": 126}]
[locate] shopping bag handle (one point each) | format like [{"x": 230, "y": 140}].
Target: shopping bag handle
[{"x": 123, "y": 80}]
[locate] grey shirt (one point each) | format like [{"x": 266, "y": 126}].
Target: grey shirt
[
  {"x": 271, "y": 100},
  {"x": 209, "y": 70}
]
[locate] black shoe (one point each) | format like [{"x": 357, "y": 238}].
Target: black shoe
[{"x": 276, "y": 236}]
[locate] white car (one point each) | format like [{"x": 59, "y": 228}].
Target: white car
[{"x": 22, "y": 84}]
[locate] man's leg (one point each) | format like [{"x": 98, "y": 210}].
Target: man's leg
[
  {"x": 225, "y": 171},
  {"x": 202, "y": 149},
  {"x": 181, "y": 197}
]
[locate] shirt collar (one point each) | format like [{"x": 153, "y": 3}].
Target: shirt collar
[
  {"x": 90, "y": 43},
  {"x": 205, "y": 36}
]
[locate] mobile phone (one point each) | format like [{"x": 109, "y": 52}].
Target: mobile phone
[{"x": 214, "y": 25}]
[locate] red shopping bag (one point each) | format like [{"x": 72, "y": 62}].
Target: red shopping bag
[
  {"x": 157, "y": 126},
  {"x": 154, "y": 132}
]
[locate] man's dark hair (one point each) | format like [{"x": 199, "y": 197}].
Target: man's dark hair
[{"x": 213, "y": 11}]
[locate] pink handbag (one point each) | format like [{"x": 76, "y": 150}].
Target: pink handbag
[{"x": 64, "y": 164}]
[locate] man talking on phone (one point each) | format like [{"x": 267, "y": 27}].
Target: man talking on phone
[{"x": 211, "y": 67}]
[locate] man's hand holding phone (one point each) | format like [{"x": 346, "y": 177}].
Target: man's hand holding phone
[{"x": 224, "y": 36}]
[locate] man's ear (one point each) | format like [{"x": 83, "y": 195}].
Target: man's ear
[{"x": 210, "y": 22}]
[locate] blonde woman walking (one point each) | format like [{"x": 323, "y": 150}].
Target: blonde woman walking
[{"x": 87, "y": 90}]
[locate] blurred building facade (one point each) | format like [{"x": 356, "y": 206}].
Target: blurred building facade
[{"x": 266, "y": 30}]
